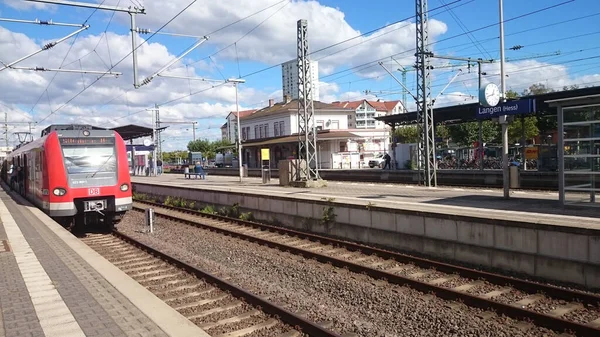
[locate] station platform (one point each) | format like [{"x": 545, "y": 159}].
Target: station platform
[
  {"x": 53, "y": 285},
  {"x": 538, "y": 207}
]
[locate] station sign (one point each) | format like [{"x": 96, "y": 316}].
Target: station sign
[{"x": 517, "y": 107}]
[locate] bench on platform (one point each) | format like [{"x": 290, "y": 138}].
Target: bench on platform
[{"x": 189, "y": 175}]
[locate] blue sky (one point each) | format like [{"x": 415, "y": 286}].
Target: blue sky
[{"x": 553, "y": 53}]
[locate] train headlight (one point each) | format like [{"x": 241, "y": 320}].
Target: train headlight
[
  {"x": 59, "y": 191},
  {"x": 125, "y": 187}
]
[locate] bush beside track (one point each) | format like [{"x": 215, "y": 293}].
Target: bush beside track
[{"x": 530, "y": 180}]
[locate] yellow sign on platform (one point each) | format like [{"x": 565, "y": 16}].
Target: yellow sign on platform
[
  {"x": 531, "y": 152},
  {"x": 264, "y": 154}
]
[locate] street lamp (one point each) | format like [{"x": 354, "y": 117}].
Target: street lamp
[{"x": 235, "y": 82}]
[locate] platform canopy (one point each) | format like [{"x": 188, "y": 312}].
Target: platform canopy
[
  {"x": 132, "y": 131},
  {"x": 467, "y": 112}
]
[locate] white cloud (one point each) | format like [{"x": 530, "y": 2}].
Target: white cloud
[{"x": 27, "y": 5}]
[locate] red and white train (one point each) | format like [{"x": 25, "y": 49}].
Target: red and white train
[{"x": 77, "y": 174}]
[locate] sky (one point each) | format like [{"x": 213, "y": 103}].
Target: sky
[{"x": 558, "y": 44}]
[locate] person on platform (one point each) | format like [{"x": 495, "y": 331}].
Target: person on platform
[{"x": 388, "y": 161}]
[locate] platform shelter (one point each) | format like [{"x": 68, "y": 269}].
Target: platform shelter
[{"x": 578, "y": 122}]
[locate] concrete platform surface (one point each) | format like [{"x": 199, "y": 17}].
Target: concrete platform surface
[
  {"x": 53, "y": 285},
  {"x": 523, "y": 206}
]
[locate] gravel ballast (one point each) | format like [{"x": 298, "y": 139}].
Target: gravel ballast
[{"x": 353, "y": 303}]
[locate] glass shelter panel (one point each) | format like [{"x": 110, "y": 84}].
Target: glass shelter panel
[{"x": 581, "y": 142}]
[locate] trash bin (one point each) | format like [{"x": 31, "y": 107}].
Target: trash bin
[
  {"x": 266, "y": 174},
  {"x": 514, "y": 177}
]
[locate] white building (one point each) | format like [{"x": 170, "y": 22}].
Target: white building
[
  {"x": 366, "y": 111},
  {"x": 229, "y": 129},
  {"x": 338, "y": 144},
  {"x": 289, "y": 79},
  {"x": 4, "y": 151}
]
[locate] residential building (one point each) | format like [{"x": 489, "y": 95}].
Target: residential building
[
  {"x": 289, "y": 79},
  {"x": 338, "y": 145},
  {"x": 4, "y": 151},
  {"x": 229, "y": 129},
  {"x": 366, "y": 111},
  {"x": 224, "y": 132}
]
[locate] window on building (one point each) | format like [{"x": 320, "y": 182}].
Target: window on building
[
  {"x": 276, "y": 129},
  {"x": 256, "y": 133},
  {"x": 349, "y": 117},
  {"x": 320, "y": 124},
  {"x": 266, "y": 127},
  {"x": 335, "y": 125}
]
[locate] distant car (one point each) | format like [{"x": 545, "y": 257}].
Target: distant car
[{"x": 378, "y": 161}]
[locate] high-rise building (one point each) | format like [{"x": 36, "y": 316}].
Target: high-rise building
[{"x": 289, "y": 79}]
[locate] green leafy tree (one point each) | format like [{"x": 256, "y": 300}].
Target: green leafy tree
[
  {"x": 407, "y": 134},
  {"x": 536, "y": 89},
  {"x": 515, "y": 129},
  {"x": 442, "y": 131},
  {"x": 465, "y": 134},
  {"x": 511, "y": 94},
  {"x": 208, "y": 148},
  {"x": 173, "y": 156}
]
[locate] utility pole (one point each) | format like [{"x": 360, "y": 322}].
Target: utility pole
[
  {"x": 503, "y": 119},
  {"x": 404, "y": 91},
  {"x": 6, "y": 128},
  {"x": 184, "y": 122},
  {"x": 307, "y": 141},
  {"x": 238, "y": 133},
  {"x": 132, "y": 10},
  {"x": 158, "y": 145},
  {"x": 426, "y": 156}
]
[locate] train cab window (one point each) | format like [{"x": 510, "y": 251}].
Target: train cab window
[{"x": 89, "y": 159}]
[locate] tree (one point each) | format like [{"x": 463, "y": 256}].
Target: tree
[
  {"x": 407, "y": 134},
  {"x": 515, "y": 130},
  {"x": 536, "y": 89},
  {"x": 511, "y": 94},
  {"x": 173, "y": 156},
  {"x": 465, "y": 134},
  {"x": 207, "y": 147}
]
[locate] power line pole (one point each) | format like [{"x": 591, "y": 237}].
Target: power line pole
[
  {"x": 307, "y": 142},
  {"x": 158, "y": 138},
  {"x": 426, "y": 131},
  {"x": 131, "y": 10},
  {"x": 6, "y": 128},
  {"x": 503, "y": 119}
]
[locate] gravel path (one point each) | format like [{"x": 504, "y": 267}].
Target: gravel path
[{"x": 353, "y": 303}]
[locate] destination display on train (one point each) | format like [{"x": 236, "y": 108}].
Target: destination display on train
[{"x": 86, "y": 140}]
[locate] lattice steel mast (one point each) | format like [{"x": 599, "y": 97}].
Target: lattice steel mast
[
  {"x": 307, "y": 142},
  {"x": 425, "y": 125}
]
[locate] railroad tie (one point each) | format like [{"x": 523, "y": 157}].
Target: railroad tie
[
  {"x": 528, "y": 300},
  {"x": 563, "y": 310}
]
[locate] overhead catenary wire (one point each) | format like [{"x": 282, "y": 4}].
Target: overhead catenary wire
[
  {"x": 526, "y": 14},
  {"x": 216, "y": 31},
  {"x": 121, "y": 60}
]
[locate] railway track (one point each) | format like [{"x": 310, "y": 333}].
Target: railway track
[
  {"x": 216, "y": 306},
  {"x": 560, "y": 309}
]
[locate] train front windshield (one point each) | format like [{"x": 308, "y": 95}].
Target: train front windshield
[{"x": 89, "y": 158}]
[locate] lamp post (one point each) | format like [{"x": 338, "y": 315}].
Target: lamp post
[{"x": 235, "y": 82}]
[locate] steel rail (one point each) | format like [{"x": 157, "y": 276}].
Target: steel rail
[
  {"x": 520, "y": 284},
  {"x": 540, "y": 319},
  {"x": 286, "y": 316}
]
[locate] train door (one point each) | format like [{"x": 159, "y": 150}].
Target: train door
[{"x": 25, "y": 175}]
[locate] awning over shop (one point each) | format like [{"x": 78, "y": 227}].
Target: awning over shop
[{"x": 324, "y": 135}]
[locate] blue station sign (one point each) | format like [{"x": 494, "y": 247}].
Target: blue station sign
[{"x": 518, "y": 107}]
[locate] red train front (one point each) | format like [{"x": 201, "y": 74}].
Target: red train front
[{"x": 75, "y": 173}]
